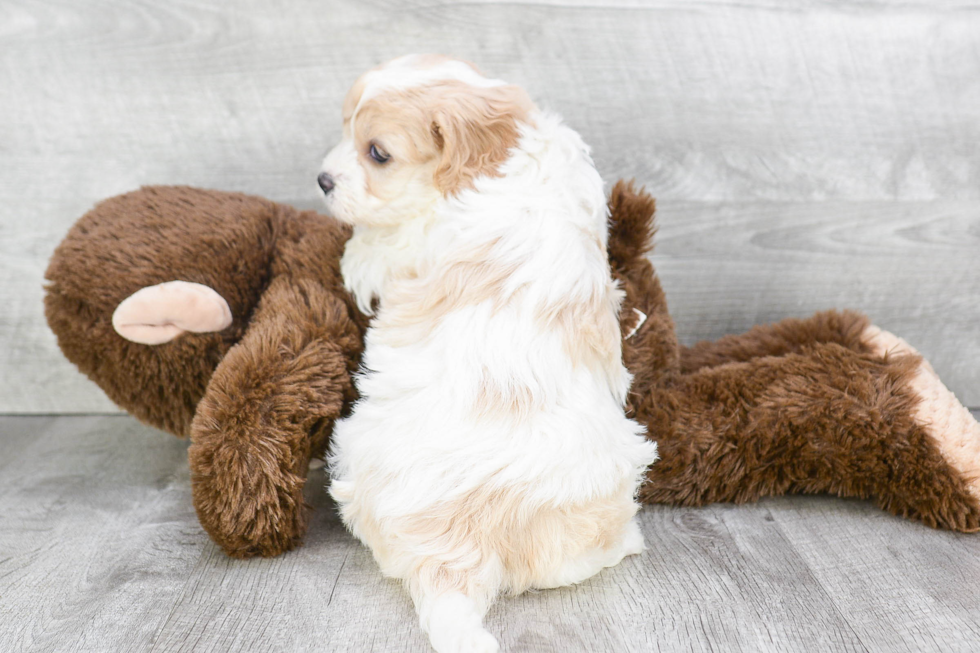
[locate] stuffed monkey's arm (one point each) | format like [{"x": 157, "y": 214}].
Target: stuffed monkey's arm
[
  {"x": 268, "y": 409},
  {"x": 845, "y": 328},
  {"x": 158, "y": 314},
  {"x": 827, "y": 420}
]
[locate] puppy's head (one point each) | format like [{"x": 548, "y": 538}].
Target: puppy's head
[{"x": 418, "y": 129}]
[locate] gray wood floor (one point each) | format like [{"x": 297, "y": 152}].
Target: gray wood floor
[{"x": 100, "y": 550}]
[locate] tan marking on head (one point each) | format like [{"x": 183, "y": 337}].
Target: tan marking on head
[
  {"x": 474, "y": 129},
  {"x": 396, "y": 118},
  {"x": 466, "y": 131}
]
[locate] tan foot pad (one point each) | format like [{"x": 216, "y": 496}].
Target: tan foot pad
[
  {"x": 158, "y": 314},
  {"x": 952, "y": 426},
  {"x": 939, "y": 412},
  {"x": 885, "y": 343}
]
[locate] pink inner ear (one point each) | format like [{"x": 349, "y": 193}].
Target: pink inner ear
[{"x": 158, "y": 314}]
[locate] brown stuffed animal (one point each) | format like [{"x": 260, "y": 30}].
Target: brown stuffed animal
[
  {"x": 258, "y": 398},
  {"x": 830, "y": 404},
  {"x": 258, "y": 341}
]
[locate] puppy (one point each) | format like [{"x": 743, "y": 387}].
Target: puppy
[{"x": 489, "y": 451}]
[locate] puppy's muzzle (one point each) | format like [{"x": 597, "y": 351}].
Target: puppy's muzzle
[{"x": 326, "y": 182}]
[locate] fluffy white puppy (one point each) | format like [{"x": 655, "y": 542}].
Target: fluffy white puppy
[{"x": 489, "y": 451}]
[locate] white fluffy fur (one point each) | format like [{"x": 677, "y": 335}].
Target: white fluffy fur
[{"x": 421, "y": 475}]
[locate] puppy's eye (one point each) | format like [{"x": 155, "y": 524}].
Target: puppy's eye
[{"x": 378, "y": 154}]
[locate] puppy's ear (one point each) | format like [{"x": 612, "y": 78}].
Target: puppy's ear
[{"x": 473, "y": 129}]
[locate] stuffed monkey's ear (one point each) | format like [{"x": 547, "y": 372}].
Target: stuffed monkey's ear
[
  {"x": 158, "y": 314},
  {"x": 474, "y": 129}
]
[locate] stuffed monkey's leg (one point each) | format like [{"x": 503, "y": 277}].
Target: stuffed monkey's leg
[
  {"x": 650, "y": 349},
  {"x": 269, "y": 407},
  {"x": 846, "y": 328},
  {"x": 826, "y": 420}
]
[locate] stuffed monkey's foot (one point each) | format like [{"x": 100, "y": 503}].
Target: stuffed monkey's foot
[
  {"x": 939, "y": 413},
  {"x": 158, "y": 314},
  {"x": 884, "y": 343},
  {"x": 951, "y": 425}
]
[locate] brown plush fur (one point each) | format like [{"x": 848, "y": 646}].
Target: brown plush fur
[
  {"x": 802, "y": 406},
  {"x": 259, "y": 399},
  {"x": 799, "y": 406}
]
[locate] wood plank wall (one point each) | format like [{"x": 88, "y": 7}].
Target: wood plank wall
[{"x": 808, "y": 154}]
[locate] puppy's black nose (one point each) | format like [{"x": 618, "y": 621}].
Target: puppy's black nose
[{"x": 325, "y": 181}]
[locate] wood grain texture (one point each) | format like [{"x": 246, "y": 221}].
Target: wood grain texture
[
  {"x": 100, "y": 551},
  {"x": 913, "y": 267},
  {"x": 728, "y": 102},
  {"x": 98, "y": 532},
  {"x": 916, "y": 603}
]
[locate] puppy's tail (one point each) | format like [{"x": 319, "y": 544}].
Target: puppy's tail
[{"x": 631, "y": 224}]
